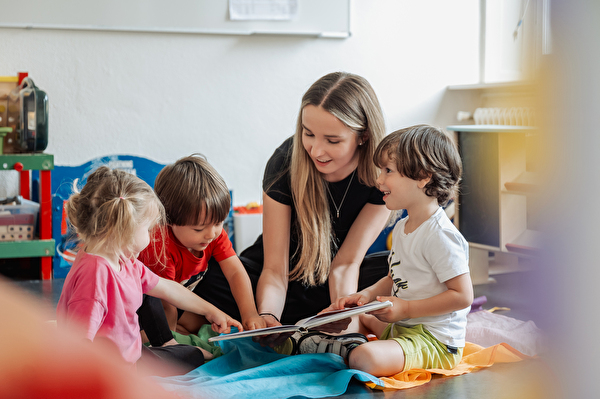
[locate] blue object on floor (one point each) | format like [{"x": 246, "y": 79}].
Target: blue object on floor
[{"x": 248, "y": 370}]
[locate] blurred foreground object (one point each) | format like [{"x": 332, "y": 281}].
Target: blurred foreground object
[{"x": 39, "y": 361}]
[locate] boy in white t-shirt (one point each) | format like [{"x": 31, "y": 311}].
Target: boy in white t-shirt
[{"x": 429, "y": 280}]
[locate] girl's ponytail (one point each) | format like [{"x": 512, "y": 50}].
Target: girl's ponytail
[{"x": 110, "y": 206}]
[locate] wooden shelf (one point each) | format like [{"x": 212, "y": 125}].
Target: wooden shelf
[
  {"x": 528, "y": 243},
  {"x": 526, "y": 183},
  {"x": 493, "y": 212},
  {"x": 513, "y": 85},
  {"x": 492, "y": 129}
]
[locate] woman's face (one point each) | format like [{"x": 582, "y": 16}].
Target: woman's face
[{"x": 331, "y": 145}]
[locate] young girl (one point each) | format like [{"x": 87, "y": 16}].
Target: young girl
[
  {"x": 113, "y": 216},
  {"x": 429, "y": 280}
]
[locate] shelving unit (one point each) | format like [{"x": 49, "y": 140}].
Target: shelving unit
[
  {"x": 493, "y": 200},
  {"x": 44, "y": 246}
]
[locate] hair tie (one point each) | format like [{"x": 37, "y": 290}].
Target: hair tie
[{"x": 122, "y": 198}]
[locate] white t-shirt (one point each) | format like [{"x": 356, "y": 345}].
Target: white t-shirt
[{"x": 420, "y": 263}]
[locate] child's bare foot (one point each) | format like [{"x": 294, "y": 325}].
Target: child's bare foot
[{"x": 190, "y": 323}]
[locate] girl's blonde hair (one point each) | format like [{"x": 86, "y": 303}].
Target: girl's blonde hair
[
  {"x": 352, "y": 100},
  {"x": 108, "y": 209}
]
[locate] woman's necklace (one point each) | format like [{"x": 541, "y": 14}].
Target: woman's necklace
[{"x": 337, "y": 208}]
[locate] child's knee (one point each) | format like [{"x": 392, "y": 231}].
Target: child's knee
[
  {"x": 362, "y": 358},
  {"x": 379, "y": 358}
]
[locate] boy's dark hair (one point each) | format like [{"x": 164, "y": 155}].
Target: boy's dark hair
[
  {"x": 191, "y": 189},
  {"x": 421, "y": 151}
]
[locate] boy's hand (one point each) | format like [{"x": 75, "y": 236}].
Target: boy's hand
[
  {"x": 349, "y": 301},
  {"x": 254, "y": 322},
  {"x": 222, "y": 323},
  {"x": 392, "y": 314}
]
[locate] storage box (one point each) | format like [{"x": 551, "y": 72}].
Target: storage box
[
  {"x": 17, "y": 222},
  {"x": 247, "y": 228}
]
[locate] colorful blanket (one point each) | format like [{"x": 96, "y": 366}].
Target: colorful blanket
[{"x": 247, "y": 370}]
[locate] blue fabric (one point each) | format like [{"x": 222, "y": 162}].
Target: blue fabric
[{"x": 248, "y": 370}]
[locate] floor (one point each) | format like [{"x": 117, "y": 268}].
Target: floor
[{"x": 526, "y": 379}]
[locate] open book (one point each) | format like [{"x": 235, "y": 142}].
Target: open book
[{"x": 308, "y": 323}]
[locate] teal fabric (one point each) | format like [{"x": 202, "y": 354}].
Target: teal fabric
[{"x": 248, "y": 370}]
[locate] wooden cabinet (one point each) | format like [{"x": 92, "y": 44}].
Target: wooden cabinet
[
  {"x": 43, "y": 246},
  {"x": 496, "y": 185}
]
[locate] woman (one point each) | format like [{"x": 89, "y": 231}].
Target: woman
[{"x": 321, "y": 207}]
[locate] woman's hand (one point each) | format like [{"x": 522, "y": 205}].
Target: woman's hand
[
  {"x": 254, "y": 322},
  {"x": 270, "y": 320}
]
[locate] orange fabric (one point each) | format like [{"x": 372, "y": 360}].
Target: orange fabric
[{"x": 474, "y": 358}]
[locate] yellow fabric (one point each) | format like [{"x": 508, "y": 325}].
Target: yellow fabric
[{"x": 474, "y": 358}]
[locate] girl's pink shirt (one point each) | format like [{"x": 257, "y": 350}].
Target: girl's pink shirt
[{"x": 104, "y": 302}]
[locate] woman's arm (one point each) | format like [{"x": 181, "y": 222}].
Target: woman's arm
[
  {"x": 241, "y": 288},
  {"x": 272, "y": 284},
  {"x": 345, "y": 267}
]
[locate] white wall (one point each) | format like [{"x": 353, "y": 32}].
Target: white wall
[{"x": 235, "y": 98}]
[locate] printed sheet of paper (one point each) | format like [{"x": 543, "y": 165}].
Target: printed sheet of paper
[{"x": 265, "y": 10}]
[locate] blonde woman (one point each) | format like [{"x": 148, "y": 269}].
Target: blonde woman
[{"x": 322, "y": 209}]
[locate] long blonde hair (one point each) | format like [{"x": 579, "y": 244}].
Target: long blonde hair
[
  {"x": 109, "y": 208},
  {"x": 351, "y": 99}
]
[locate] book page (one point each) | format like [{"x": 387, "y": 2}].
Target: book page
[
  {"x": 305, "y": 324},
  {"x": 335, "y": 315}
]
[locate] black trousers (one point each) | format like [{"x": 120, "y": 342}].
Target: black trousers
[
  {"x": 178, "y": 359},
  {"x": 153, "y": 321},
  {"x": 181, "y": 358},
  {"x": 301, "y": 301}
]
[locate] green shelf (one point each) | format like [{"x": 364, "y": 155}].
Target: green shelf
[
  {"x": 29, "y": 161},
  {"x": 26, "y": 249}
]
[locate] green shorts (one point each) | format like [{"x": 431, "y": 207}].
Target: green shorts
[{"x": 421, "y": 349}]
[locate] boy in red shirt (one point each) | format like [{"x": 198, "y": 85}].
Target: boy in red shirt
[{"x": 196, "y": 201}]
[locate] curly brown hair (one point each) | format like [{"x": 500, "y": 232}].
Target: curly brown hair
[{"x": 423, "y": 151}]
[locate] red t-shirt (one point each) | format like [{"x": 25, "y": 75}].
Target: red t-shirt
[
  {"x": 104, "y": 302},
  {"x": 179, "y": 263}
]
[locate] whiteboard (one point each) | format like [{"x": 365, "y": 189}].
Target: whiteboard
[{"x": 321, "y": 18}]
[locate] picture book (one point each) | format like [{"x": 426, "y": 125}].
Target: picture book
[{"x": 308, "y": 323}]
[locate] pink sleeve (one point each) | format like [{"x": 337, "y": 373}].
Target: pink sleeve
[
  {"x": 86, "y": 304},
  {"x": 87, "y": 314},
  {"x": 148, "y": 278}
]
